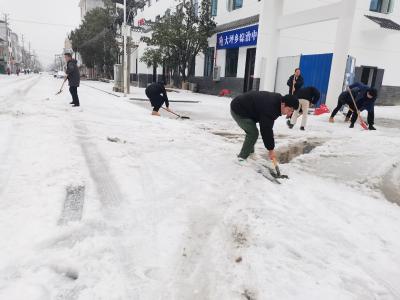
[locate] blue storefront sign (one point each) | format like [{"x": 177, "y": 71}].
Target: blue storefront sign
[{"x": 241, "y": 37}]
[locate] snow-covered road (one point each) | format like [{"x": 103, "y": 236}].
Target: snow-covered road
[{"x": 108, "y": 202}]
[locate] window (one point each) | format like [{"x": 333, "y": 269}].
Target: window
[
  {"x": 214, "y": 6},
  {"x": 231, "y": 62},
  {"x": 196, "y": 7},
  {"x": 209, "y": 62},
  {"x": 192, "y": 70},
  {"x": 237, "y": 4},
  {"x": 234, "y": 4},
  {"x": 382, "y": 6}
]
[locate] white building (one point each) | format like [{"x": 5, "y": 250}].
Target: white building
[
  {"x": 16, "y": 52},
  {"x": 88, "y": 5},
  {"x": 366, "y": 30}
]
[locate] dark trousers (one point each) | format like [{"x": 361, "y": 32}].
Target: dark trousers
[
  {"x": 250, "y": 127},
  {"x": 340, "y": 103},
  {"x": 156, "y": 101},
  {"x": 74, "y": 93},
  {"x": 370, "y": 118}
]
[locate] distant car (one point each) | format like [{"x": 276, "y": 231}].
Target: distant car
[{"x": 60, "y": 74}]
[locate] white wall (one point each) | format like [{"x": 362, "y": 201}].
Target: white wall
[
  {"x": 372, "y": 45},
  {"x": 250, "y": 8},
  {"x": 285, "y": 68},
  {"x": 199, "y": 72}
]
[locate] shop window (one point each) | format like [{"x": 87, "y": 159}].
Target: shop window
[
  {"x": 231, "y": 62},
  {"x": 382, "y": 6},
  {"x": 209, "y": 62}
]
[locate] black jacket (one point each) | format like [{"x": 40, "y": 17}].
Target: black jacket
[
  {"x": 298, "y": 85},
  {"x": 309, "y": 93},
  {"x": 73, "y": 75},
  {"x": 157, "y": 94},
  {"x": 345, "y": 97},
  {"x": 261, "y": 107}
]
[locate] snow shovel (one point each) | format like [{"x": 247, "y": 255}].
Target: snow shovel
[
  {"x": 179, "y": 116},
  {"x": 362, "y": 123},
  {"x": 278, "y": 171},
  {"x": 60, "y": 91}
]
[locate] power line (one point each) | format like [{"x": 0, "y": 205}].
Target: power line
[{"x": 42, "y": 23}]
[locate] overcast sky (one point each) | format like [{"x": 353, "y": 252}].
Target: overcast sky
[{"x": 45, "y": 39}]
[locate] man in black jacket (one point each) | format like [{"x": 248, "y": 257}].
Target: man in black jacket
[
  {"x": 73, "y": 77},
  {"x": 295, "y": 82},
  {"x": 307, "y": 96},
  {"x": 157, "y": 95},
  {"x": 264, "y": 108}
]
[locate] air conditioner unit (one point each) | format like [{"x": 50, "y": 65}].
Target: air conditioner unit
[{"x": 217, "y": 73}]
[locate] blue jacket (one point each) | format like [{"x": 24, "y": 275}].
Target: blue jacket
[{"x": 362, "y": 100}]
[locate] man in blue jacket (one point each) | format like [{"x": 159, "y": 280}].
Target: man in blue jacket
[{"x": 365, "y": 100}]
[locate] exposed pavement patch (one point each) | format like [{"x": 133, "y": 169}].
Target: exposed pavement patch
[
  {"x": 73, "y": 204},
  {"x": 287, "y": 153}
]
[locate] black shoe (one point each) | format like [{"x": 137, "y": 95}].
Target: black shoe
[
  {"x": 371, "y": 127},
  {"x": 71, "y": 103},
  {"x": 302, "y": 128},
  {"x": 289, "y": 125},
  {"x": 75, "y": 105},
  {"x": 351, "y": 125}
]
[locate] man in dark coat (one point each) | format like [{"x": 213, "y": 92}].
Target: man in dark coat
[
  {"x": 307, "y": 96},
  {"x": 365, "y": 100},
  {"x": 158, "y": 96},
  {"x": 264, "y": 108},
  {"x": 73, "y": 78},
  {"x": 295, "y": 82}
]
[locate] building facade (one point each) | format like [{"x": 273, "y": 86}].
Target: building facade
[
  {"x": 5, "y": 46},
  {"x": 258, "y": 44},
  {"x": 15, "y": 53},
  {"x": 88, "y": 5}
]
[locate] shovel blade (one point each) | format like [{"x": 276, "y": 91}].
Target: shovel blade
[{"x": 364, "y": 125}]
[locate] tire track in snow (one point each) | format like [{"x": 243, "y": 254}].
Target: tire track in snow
[{"x": 106, "y": 186}]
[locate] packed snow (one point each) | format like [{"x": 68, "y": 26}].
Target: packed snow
[{"x": 108, "y": 202}]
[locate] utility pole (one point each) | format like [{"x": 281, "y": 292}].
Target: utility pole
[{"x": 126, "y": 82}]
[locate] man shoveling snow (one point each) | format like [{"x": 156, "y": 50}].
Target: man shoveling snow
[
  {"x": 264, "y": 108},
  {"x": 158, "y": 96}
]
